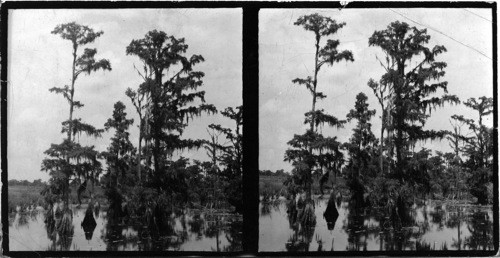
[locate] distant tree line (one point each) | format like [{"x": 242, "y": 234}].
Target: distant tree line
[
  {"x": 36, "y": 182},
  {"x": 279, "y": 172}
]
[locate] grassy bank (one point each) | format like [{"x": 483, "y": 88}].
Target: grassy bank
[
  {"x": 27, "y": 195},
  {"x": 24, "y": 195},
  {"x": 273, "y": 185}
]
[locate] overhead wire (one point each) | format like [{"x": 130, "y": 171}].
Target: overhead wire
[
  {"x": 477, "y": 15},
  {"x": 438, "y": 31}
]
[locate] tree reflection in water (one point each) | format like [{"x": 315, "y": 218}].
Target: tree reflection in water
[
  {"x": 303, "y": 230},
  {"x": 173, "y": 229},
  {"x": 356, "y": 225},
  {"x": 188, "y": 229},
  {"x": 20, "y": 219},
  {"x": 89, "y": 224},
  {"x": 228, "y": 224},
  {"x": 393, "y": 233},
  {"x": 213, "y": 229},
  {"x": 300, "y": 240},
  {"x": 59, "y": 227},
  {"x": 464, "y": 227},
  {"x": 456, "y": 217},
  {"x": 234, "y": 235},
  {"x": 481, "y": 229},
  {"x": 153, "y": 231},
  {"x": 197, "y": 225},
  {"x": 270, "y": 206},
  {"x": 331, "y": 213},
  {"x": 437, "y": 216}
]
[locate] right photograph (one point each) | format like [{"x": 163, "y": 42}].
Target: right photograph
[{"x": 376, "y": 129}]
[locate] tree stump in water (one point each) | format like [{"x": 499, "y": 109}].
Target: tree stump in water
[
  {"x": 331, "y": 213},
  {"x": 89, "y": 224}
]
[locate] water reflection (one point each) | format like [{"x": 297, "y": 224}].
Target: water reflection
[
  {"x": 345, "y": 227},
  {"x": 59, "y": 227},
  {"x": 89, "y": 224},
  {"x": 331, "y": 213},
  {"x": 481, "y": 229},
  {"x": 98, "y": 229},
  {"x": 302, "y": 222}
]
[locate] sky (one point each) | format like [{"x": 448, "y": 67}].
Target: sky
[
  {"x": 286, "y": 52},
  {"x": 39, "y": 60}
]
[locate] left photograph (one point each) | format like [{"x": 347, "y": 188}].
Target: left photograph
[{"x": 125, "y": 130}]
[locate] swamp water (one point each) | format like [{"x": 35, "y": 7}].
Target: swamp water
[
  {"x": 434, "y": 226},
  {"x": 192, "y": 231}
]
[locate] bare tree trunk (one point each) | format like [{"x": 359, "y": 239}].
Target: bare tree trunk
[
  {"x": 315, "y": 83},
  {"x": 139, "y": 158},
  {"x": 156, "y": 125},
  {"x": 381, "y": 151},
  {"x": 70, "y": 124},
  {"x": 313, "y": 109},
  {"x": 400, "y": 116}
]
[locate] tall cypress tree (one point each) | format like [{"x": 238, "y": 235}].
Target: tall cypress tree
[
  {"x": 120, "y": 153},
  {"x": 69, "y": 159},
  {"x": 172, "y": 100},
  {"x": 311, "y": 150},
  {"x": 231, "y": 156},
  {"x": 413, "y": 87},
  {"x": 360, "y": 143},
  {"x": 479, "y": 149}
]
